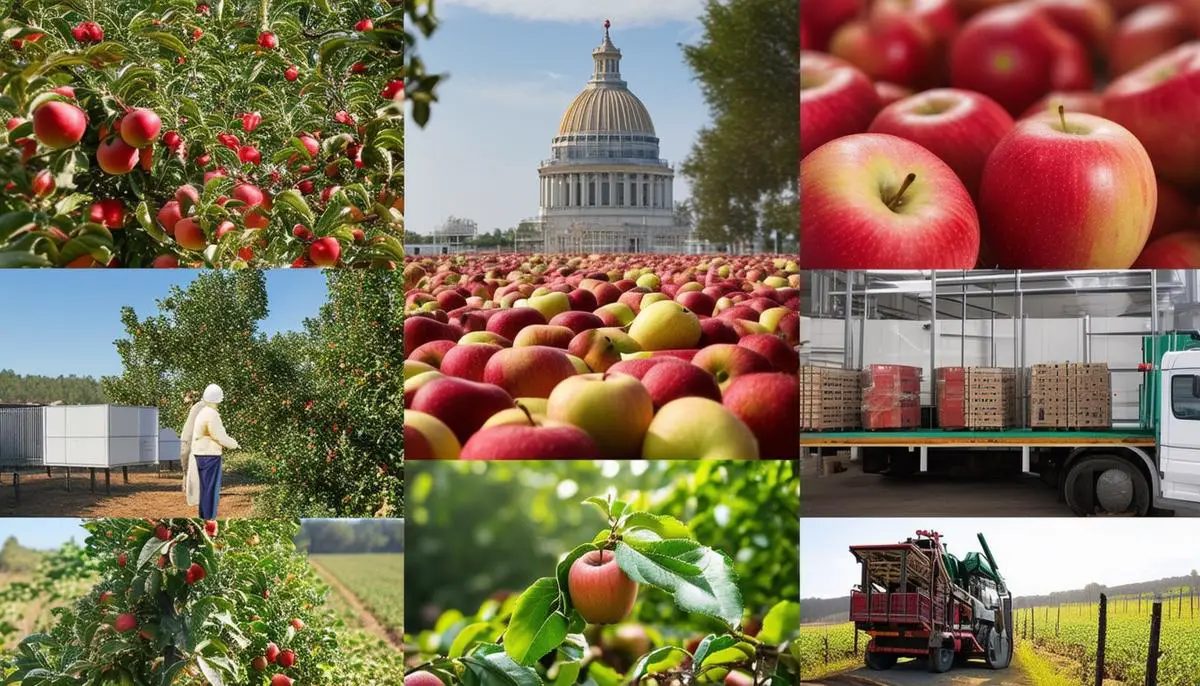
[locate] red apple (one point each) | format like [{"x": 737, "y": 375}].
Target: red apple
[
  {"x": 823, "y": 17},
  {"x": 960, "y": 127},
  {"x": 1160, "y": 104},
  {"x": 770, "y": 405},
  {"x": 889, "y": 92},
  {"x": 421, "y": 330},
  {"x": 836, "y": 100},
  {"x": 1180, "y": 250},
  {"x": 939, "y": 15},
  {"x": 781, "y": 355},
  {"x": 139, "y": 127},
  {"x": 881, "y": 202},
  {"x": 1147, "y": 33},
  {"x": 1088, "y": 21},
  {"x": 461, "y": 405},
  {"x": 1016, "y": 55},
  {"x": 116, "y": 157},
  {"x": 577, "y": 321},
  {"x": 432, "y": 353},
  {"x": 727, "y": 362},
  {"x": 1079, "y": 102},
  {"x": 667, "y": 382},
  {"x": 509, "y": 322},
  {"x": 1069, "y": 191},
  {"x": 1176, "y": 211},
  {"x": 59, "y": 124},
  {"x": 468, "y": 361},
  {"x": 529, "y": 371},
  {"x": 533, "y": 441},
  {"x": 600, "y": 590},
  {"x": 893, "y": 47}
]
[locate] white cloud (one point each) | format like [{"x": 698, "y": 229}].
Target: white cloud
[
  {"x": 621, "y": 12},
  {"x": 552, "y": 74}
]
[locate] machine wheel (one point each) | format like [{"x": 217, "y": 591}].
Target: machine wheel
[
  {"x": 998, "y": 648},
  {"x": 1106, "y": 486},
  {"x": 941, "y": 660},
  {"x": 880, "y": 661}
]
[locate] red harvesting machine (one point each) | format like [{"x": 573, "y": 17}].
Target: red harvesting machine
[{"x": 917, "y": 600}]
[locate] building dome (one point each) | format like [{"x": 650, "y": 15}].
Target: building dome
[
  {"x": 606, "y": 110},
  {"x": 606, "y": 105}
]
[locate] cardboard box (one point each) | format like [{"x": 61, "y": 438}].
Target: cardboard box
[
  {"x": 891, "y": 397},
  {"x": 830, "y": 399}
]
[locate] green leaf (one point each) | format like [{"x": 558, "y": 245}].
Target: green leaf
[
  {"x": 601, "y": 503},
  {"x": 497, "y": 669},
  {"x": 781, "y": 621},
  {"x": 712, "y": 592},
  {"x": 292, "y": 198},
  {"x": 739, "y": 652},
  {"x": 665, "y": 526},
  {"x": 644, "y": 665},
  {"x": 168, "y": 41},
  {"x": 469, "y": 636},
  {"x": 618, "y": 509},
  {"x": 668, "y": 554},
  {"x": 12, "y": 222},
  {"x": 148, "y": 223},
  {"x": 23, "y": 131},
  {"x": 151, "y": 551},
  {"x": 210, "y": 673},
  {"x": 538, "y": 625},
  {"x": 712, "y": 643},
  {"x": 180, "y": 557}
]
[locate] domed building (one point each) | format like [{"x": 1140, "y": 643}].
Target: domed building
[{"x": 605, "y": 188}]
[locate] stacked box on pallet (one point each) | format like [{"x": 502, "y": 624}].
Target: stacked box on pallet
[
  {"x": 829, "y": 399},
  {"x": 1048, "y": 395},
  {"x": 950, "y": 389},
  {"x": 1089, "y": 396},
  {"x": 891, "y": 397},
  {"x": 1012, "y": 407}
]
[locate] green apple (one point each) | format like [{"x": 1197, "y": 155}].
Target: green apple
[
  {"x": 650, "y": 281},
  {"x": 775, "y": 282},
  {"x": 694, "y": 428},
  {"x": 770, "y": 318},
  {"x": 485, "y": 337},
  {"x": 690, "y": 286},
  {"x": 581, "y": 367},
  {"x": 651, "y": 298},
  {"x": 412, "y": 368},
  {"x": 614, "y": 410},
  {"x": 666, "y": 325},
  {"x": 618, "y": 311},
  {"x": 550, "y": 304},
  {"x": 534, "y": 405}
]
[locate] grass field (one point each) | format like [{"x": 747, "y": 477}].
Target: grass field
[{"x": 377, "y": 581}]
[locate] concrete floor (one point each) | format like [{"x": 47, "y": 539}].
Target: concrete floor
[{"x": 854, "y": 494}]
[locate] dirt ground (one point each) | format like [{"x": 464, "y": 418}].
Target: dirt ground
[
  {"x": 854, "y": 494},
  {"x": 146, "y": 495},
  {"x": 914, "y": 673}
]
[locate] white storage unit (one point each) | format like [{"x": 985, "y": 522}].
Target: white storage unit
[
  {"x": 169, "y": 445},
  {"x": 21, "y": 436},
  {"x": 100, "y": 436}
]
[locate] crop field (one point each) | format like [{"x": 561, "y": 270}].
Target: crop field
[
  {"x": 1071, "y": 632},
  {"x": 376, "y": 580},
  {"x": 816, "y": 660}
]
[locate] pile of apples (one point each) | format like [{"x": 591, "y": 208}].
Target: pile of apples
[
  {"x": 1000, "y": 133},
  {"x": 601, "y": 357}
]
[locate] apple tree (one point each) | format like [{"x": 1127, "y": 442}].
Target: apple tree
[
  {"x": 546, "y": 634},
  {"x": 208, "y": 133},
  {"x": 189, "y": 602}
]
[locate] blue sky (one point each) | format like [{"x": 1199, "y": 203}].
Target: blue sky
[
  {"x": 1036, "y": 556},
  {"x": 65, "y": 321},
  {"x": 43, "y": 534},
  {"x": 512, "y": 76}
]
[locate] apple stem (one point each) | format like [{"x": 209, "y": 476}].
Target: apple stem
[
  {"x": 1062, "y": 115},
  {"x": 527, "y": 415},
  {"x": 895, "y": 201}
]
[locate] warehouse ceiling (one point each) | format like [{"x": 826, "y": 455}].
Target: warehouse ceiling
[{"x": 1046, "y": 294}]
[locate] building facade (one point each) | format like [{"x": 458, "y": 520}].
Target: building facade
[{"x": 605, "y": 188}]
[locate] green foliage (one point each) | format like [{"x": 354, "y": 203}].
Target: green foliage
[
  {"x": 206, "y": 632},
  {"x": 331, "y": 536},
  {"x": 321, "y": 406},
  {"x": 200, "y": 71},
  {"x": 377, "y": 580},
  {"x": 423, "y": 89},
  {"x": 540, "y": 637},
  {"x": 743, "y": 168},
  {"x": 35, "y": 388},
  {"x": 520, "y": 520},
  {"x": 16, "y": 558}
]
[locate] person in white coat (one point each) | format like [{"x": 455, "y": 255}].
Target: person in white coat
[{"x": 205, "y": 439}]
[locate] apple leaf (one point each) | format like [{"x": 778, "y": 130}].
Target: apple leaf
[
  {"x": 11, "y": 222},
  {"x": 569, "y": 660},
  {"x": 712, "y": 643},
  {"x": 538, "y": 624},
  {"x": 665, "y": 526},
  {"x": 618, "y": 509},
  {"x": 564, "y": 569},
  {"x": 603, "y": 675},
  {"x": 150, "y": 551},
  {"x": 653, "y": 659},
  {"x": 497, "y": 669},
  {"x": 601, "y": 503},
  {"x": 213, "y": 676},
  {"x": 735, "y": 654},
  {"x": 781, "y": 621},
  {"x": 181, "y": 557},
  {"x": 469, "y": 636},
  {"x": 665, "y": 564}
]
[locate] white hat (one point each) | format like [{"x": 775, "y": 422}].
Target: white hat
[{"x": 213, "y": 394}]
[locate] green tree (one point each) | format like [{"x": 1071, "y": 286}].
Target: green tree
[
  {"x": 201, "y": 67},
  {"x": 34, "y": 388},
  {"x": 744, "y": 166},
  {"x": 422, "y": 90}
]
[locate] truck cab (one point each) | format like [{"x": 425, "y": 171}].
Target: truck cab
[{"x": 1179, "y": 427}]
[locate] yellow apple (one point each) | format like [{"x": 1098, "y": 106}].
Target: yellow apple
[
  {"x": 427, "y": 438},
  {"x": 614, "y": 410},
  {"x": 693, "y": 428},
  {"x": 666, "y": 325}
]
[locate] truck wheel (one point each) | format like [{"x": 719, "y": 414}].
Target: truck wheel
[
  {"x": 998, "y": 648},
  {"x": 941, "y": 660},
  {"x": 880, "y": 661},
  {"x": 1106, "y": 486}
]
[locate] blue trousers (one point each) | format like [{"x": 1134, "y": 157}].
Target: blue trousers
[{"x": 209, "y": 467}]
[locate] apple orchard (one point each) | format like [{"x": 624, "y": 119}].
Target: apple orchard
[
  {"x": 1019, "y": 134},
  {"x": 217, "y": 133},
  {"x": 512, "y": 356}
]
